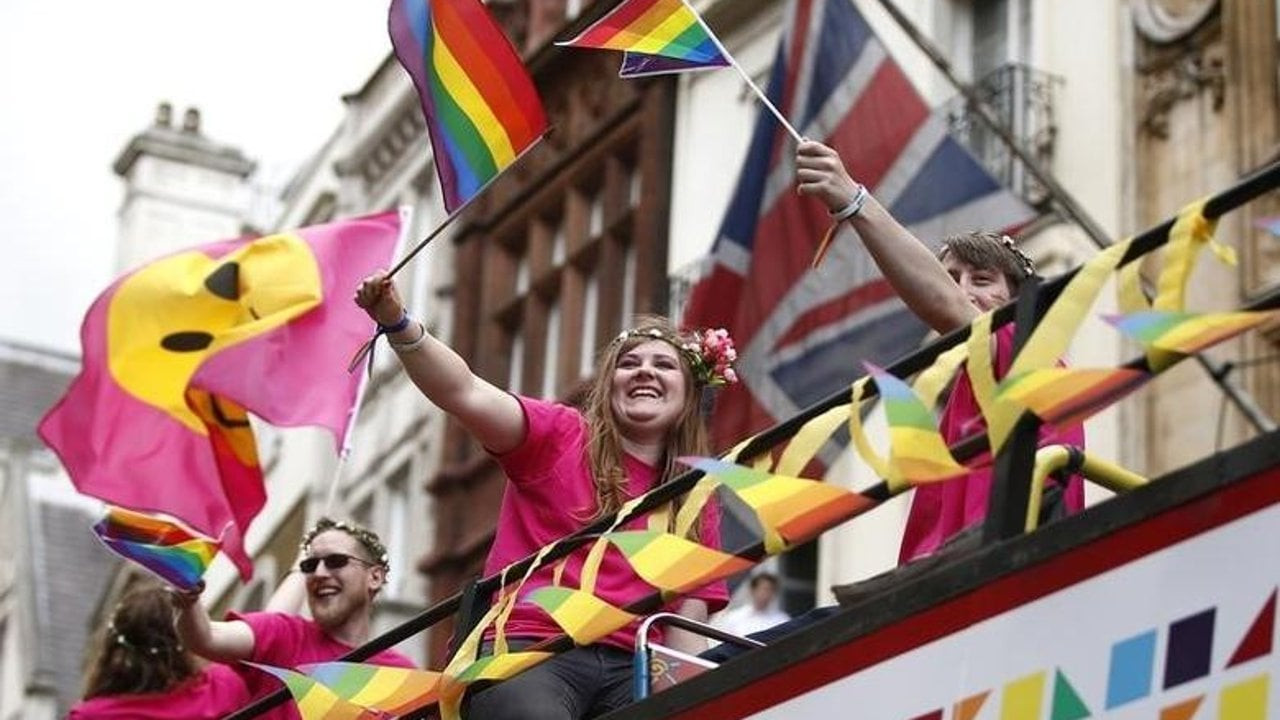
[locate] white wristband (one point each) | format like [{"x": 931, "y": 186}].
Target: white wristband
[
  {"x": 854, "y": 206},
  {"x": 412, "y": 345}
]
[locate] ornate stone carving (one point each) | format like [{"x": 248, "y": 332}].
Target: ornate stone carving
[
  {"x": 1168, "y": 21},
  {"x": 1183, "y": 79}
]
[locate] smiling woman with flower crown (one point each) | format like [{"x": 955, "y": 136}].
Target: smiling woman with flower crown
[{"x": 567, "y": 469}]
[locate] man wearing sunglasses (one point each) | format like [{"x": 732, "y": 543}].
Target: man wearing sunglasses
[{"x": 343, "y": 567}]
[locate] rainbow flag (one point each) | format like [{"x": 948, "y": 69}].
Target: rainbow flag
[
  {"x": 667, "y": 29},
  {"x": 501, "y": 667},
  {"x": 481, "y": 106},
  {"x": 1270, "y": 224},
  {"x": 672, "y": 563},
  {"x": 795, "y": 508},
  {"x": 1185, "y": 333},
  {"x": 583, "y": 616},
  {"x": 315, "y": 700},
  {"x": 174, "y": 553},
  {"x": 393, "y": 690},
  {"x": 1068, "y": 396},
  {"x": 917, "y": 451}
]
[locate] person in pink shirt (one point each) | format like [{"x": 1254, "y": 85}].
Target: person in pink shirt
[
  {"x": 140, "y": 671},
  {"x": 344, "y": 566},
  {"x": 971, "y": 274},
  {"x": 566, "y": 469}
]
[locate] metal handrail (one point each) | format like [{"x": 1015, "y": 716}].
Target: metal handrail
[{"x": 640, "y": 677}]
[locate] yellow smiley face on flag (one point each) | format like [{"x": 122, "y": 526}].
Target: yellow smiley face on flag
[{"x": 166, "y": 318}]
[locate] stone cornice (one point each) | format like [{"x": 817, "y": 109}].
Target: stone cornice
[{"x": 184, "y": 148}]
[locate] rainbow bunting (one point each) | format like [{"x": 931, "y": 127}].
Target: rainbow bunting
[
  {"x": 501, "y": 667},
  {"x": 672, "y": 563},
  {"x": 795, "y": 508},
  {"x": 583, "y": 616},
  {"x": 393, "y": 690},
  {"x": 177, "y": 555},
  {"x": 481, "y": 107},
  {"x": 316, "y": 701},
  {"x": 1067, "y": 396},
  {"x": 1270, "y": 224},
  {"x": 1182, "y": 332},
  {"x": 668, "y": 29},
  {"x": 917, "y": 452}
]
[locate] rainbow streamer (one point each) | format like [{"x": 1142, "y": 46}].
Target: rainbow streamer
[
  {"x": 481, "y": 106},
  {"x": 917, "y": 452},
  {"x": 393, "y": 690},
  {"x": 501, "y": 667},
  {"x": 583, "y": 616},
  {"x": 316, "y": 701},
  {"x": 176, "y": 554},
  {"x": 796, "y": 509},
  {"x": 672, "y": 563},
  {"x": 1185, "y": 333},
  {"x": 1270, "y": 224},
  {"x": 667, "y": 29},
  {"x": 1067, "y": 396}
]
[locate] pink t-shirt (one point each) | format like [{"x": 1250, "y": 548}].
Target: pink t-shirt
[
  {"x": 215, "y": 691},
  {"x": 551, "y": 495},
  {"x": 940, "y": 510},
  {"x": 287, "y": 641}
]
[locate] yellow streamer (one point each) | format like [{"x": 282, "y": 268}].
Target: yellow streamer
[
  {"x": 808, "y": 440},
  {"x": 931, "y": 381},
  {"x": 1190, "y": 232},
  {"x": 858, "y": 434}
]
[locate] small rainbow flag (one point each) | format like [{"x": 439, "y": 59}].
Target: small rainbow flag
[
  {"x": 501, "y": 667},
  {"x": 1185, "y": 333},
  {"x": 481, "y": 106},
  {"x": 1270, "y": 224},
  {"x": 672, "y": 563},
  {"x": 176, "y": 554},
  {"x": 583, "y": 616},
  {"x": 668, "y": 29},
  {"x": 917, "y": 449},
  {"x": 315, "y": 700},
  {"x": 1067, "y": 396},
  {"x": 393, "y": 690},
  {"x": 797, "y": 509}
]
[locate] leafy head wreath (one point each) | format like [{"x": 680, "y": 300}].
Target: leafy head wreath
[{"x": 710, "y": 352}]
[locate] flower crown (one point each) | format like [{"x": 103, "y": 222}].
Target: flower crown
[
  {"x": 367, "y": 539},
  {"x": 710, "y": 352}
]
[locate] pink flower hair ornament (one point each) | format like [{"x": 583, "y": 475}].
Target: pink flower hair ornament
[{"x": 710, "y": 352}]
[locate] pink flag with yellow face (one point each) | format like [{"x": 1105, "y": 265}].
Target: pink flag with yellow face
[{"x": 177, "y": 352}]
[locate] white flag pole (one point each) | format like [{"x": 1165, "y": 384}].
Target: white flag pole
[
  {"x": 750, "y": 83},
  {"x": 344, "y": 452}
]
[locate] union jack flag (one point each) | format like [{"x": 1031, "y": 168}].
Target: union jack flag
[{"x": 802, "y": 332}]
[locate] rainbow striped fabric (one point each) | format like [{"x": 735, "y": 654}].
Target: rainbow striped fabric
[
  {"x": 1068, "y": 396},
  {"x": 481, "y": 106},
  {"x": 177, "y": 555},
  {"x": 1183, "y": 332},
  {"x": 393, "y": 690},
  {"x": 583, "y": 616},
  {"x": 315, "y": 700},
  {"x": 672, "y": 563},
  {"x": 917, "y": 449},
  {"x": 666, "y": 29}
]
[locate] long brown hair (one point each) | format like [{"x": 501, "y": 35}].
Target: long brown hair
[
  {"x": 604, "y": 448},
  {"x": 138, "y": 651}
]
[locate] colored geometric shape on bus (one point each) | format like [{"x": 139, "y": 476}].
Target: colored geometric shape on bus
[
  {"x": 1067, "y": 703},
  {"x": 1190, "y": 652},
  {"x": 1129, "y": 678},
  {"x": 968, "y": 708},
  {"x": 1244, "y": 700},
  {"x": 931, "y": 715},
  {"x": 1257, "y": 641},
  {"x": 1184, "y": 710},
  {"x": 1023, "y": 698}
]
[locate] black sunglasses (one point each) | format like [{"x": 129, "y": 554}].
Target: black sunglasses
[{"x": 331, "y": 562}]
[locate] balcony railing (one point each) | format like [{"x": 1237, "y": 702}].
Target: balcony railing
[{"x": 1021, "y": 98}]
